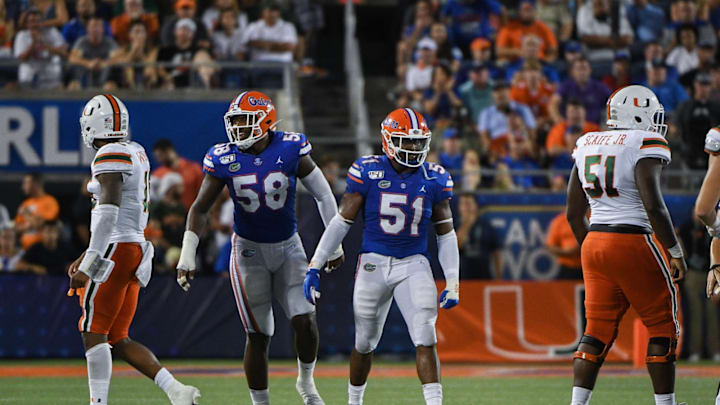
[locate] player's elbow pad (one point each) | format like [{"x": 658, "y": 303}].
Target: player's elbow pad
[
  {"x": 318, "y": 186},
  {"x": 104, "y": 218},
  {"x": 448, "y": 255},
  {"x": 330, "y": 240}
]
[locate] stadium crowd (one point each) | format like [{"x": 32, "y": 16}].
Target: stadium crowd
[{"x": 136, "y": 44}]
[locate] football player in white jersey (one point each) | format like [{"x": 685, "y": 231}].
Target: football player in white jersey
[
  {"x": 617, "y": 174},
  {"x": 118, "y": 260},
  {"x": 706, "y": 211}
]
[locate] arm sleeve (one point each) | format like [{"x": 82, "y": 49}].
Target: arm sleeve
[
  {"x": 318, "y": 186},
  {"x": 112, "y": 158},
  {"x": 712, "y": 141},
  {"x": 654, "y": 147},
  {"x": 449, "y": 256},
  {"x": 330, "y": 241}
]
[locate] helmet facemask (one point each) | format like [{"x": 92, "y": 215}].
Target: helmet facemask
[
  {"x": 243, "y": 127},
  {"x": 658, "y": 122},
  {"x": 409, "y": 149}
]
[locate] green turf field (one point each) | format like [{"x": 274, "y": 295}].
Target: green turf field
[{"x": 127, "y": 388}]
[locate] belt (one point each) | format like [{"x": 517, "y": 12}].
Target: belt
[{"x": 620, "y": 228}]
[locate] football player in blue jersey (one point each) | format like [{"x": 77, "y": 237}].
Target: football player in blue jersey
[
  {"x": 400, "y": 197},
  {"x": 260, "y": 166}
]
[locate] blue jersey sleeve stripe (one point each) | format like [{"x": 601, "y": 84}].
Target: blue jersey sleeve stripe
[
  {"x": 353, "y": 178},
  {"x": 305, "y": 149},
  {"x": 355, "y": 172}
]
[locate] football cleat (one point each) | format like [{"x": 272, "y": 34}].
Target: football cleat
[
  {"x": 309, "y": 393},
  {"x": 181, "y": 394}
]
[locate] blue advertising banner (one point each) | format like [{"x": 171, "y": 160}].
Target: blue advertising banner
[{"x": 45, "y": 134}]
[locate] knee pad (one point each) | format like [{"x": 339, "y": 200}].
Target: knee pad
[
  {"x": 364, "y": 346},
  {"x": 596, "y": 343},
  {"x": 668, "y": 344},
  {"x": 424, "y": 335}
]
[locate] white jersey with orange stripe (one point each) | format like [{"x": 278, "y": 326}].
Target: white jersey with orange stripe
[
  {"x": 606, "y": 168},
  {"x": 130, "y": 159}
]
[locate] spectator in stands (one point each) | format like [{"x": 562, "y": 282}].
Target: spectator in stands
[
  {"x": 7, "y": 31},
  {"x": 480, "y": 55},
  {"x": 134, "y": 11},
  {"x": 520, "y": 153},
  {"x": 476, "y": 93},
  {"x": 446, "y": 51},
  {"x": 581, "y": 86},
  {"x": 684, "y": 57},
  {"x": 188, "y": 59},
  {"x": 36, "y": 209},
  {"x": 412, "y": 34},
  {"x": 10, "y": 252},
  {"x": 419, "y": 75},
  {"x": 647, "y": 21},
  {"x": 595, "y": 23},
  {"x": 620, "y": 75},
  {"x": 80, "y": 219},
  {"x": 53, "y": 13},
  {"x": 479, "y": 242},
  {"x": 50, "y": 255},
  {"x": 331, "y": 170},
  {"x": 561, "y": 243},
  {"x": 451, "y": 156},
  {"x": 510, "y": 37},
  {"x": 40, "y": 51},
  {"x": 184, "y": 10},
  {"x": 563, "y": 160},
  {"x": 77, "y": 27},
  {"x": 469, "y": 20},
  {"x": 529, "y": 53},
  {"x": 693, "y": 118},
  {"x": 170, "y": 162},
  {"x": 653, "y": 52},
  {"x": 685, "y": 12},
  {"x": 556, "y": 15},
  {"x": 703, "y": 325},
  {"x": 271, "y": 39},
  {"x": 572, "y": 52},
  {"x": 5, "y": 220},
  {"x": 706, "y": 60},
  {"x": 440, "y": 102},
  {"x": 227, "y": 38},
  {"x": 575, "y": 114},
  {"x": 471, "y": 171},
  {"x": 493, "y": 121},
  {"x": 91, "y": 57},
  {"x": 715, "y": 74},
  {"x": 532, "y": 89},
  {"x": 169, "y": 213},
  {"x": 211, "y": 16},
  {"x": 138, "y": 49},
  {"x": 668, "y": 90}
]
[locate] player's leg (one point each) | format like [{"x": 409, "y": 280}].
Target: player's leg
[
  {"x": 252, "y": 287},
  {"x": 101, "y": 304},
  {"x": 288, "y": 290},
  {"x": 371, "y": 302},
  {"x": 605, "y": 305},
  {"x": 141, "y": 358},
  {"x": 416, "y": 297},
  {"x": 656, "y": 304}
]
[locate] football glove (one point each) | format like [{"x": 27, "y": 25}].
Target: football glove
[
  {"x": 450, "y": 295},
  {"x": 714, "y": 230},
  {"x": 311, "y": 286}
]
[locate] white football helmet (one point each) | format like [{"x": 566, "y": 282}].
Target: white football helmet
[
  {"x": 104, "y": 117},
  {"x": 636, "y": 107}
]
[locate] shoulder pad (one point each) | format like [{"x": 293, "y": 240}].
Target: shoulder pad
[
  {"x": 712, "y": 141},
  {"x": 113, "y": 157},
  {"x": 121, "y": 147}
]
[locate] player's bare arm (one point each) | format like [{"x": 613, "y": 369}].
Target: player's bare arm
[
  {"x": 647, "y": 178},
  {"x": 313, "y": 179},
  {"x": 448, "y": 253},
  {"x": 713, "y": 276},
  {"x": 110, "y": 193},
  {"x": 197, "y": 218},
  {"x": 709, "y": 196},
  {"x": 577, "y": 206}
]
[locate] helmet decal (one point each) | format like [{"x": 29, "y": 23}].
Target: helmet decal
[
  {"x": 413, "y": 118},
  {"x": 116, "y": 112}
]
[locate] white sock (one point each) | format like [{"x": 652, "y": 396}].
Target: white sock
[
  {"x": 305, "y": 371},
  {"x": 580, "y": 396},
  {"x": 99, "y": 366},
  {"x": 665, "y": 399},
  {"x": 355, "y": 393},
  {"x": 164, "y": 380},
  {"x": 717, "y": 399},
  {"x": 260, "y": 397},
  {"x": 432, "y": 393}
]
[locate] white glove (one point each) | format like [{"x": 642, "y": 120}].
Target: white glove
[
  {"x": 714, "y": 230},
  {"x": 186, "y": 264},
  {"x": 450, "y": 295}
]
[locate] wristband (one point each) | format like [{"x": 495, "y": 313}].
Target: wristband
[
  {"x": 714, "y": 266},
  {"x": 676, "y": 251}
]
